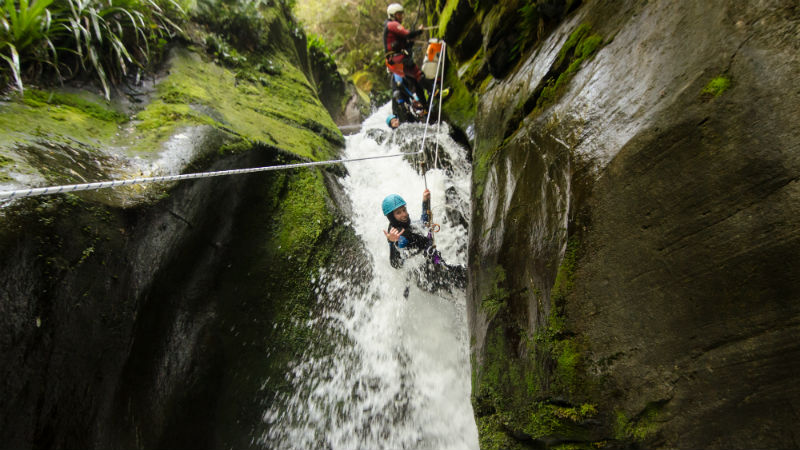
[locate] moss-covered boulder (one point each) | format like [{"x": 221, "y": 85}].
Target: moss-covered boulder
[{"x": 161, "y": 316}]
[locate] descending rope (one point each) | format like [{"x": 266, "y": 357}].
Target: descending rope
[
  {"x": 439, "y": 74},
  {"x": 22, "y": 193},
  {"x": 442, "y": 56},
  {"x": 439, "y": 66}
]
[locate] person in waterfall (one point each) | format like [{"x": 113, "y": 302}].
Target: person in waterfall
[
  {"x": 407, "y": 238},
  {"x": 398, "y": 43}
]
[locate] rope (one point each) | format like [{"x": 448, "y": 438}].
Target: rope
[
  {"x": 440, "y": 74},
  {"x": 439, "y": 65},
  {"x": 22, "y": 193},
  {"x": 442, "y": 56}
]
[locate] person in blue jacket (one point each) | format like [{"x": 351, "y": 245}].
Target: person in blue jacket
[
  {"x": 404, "y": 241},
  {"x": 400, "y": 234}
]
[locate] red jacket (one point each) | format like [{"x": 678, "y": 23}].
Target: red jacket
[{"x": 396, "y": 37}]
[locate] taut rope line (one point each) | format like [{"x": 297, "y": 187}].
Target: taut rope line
[
  {"x": 443, "y": 56},
  {"x": 439, "y": 67},
  {"x": 31, "y": 192}
]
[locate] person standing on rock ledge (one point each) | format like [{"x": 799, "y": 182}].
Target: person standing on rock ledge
[
  {"x": 397, "y": 43},
  {"x": 404, "y": 242}
]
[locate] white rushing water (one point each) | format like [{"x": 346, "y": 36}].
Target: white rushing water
[{"x": 385, "y": 372}]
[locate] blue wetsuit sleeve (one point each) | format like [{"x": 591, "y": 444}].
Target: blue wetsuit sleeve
[
  {"x": 424, "y": 212},
  {"x": 402, "y": 242}
]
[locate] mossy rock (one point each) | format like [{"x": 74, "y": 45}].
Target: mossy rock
[{"x": 197, "y": 98}]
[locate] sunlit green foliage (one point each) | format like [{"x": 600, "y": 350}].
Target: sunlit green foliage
[
  {"x": 104, "y": 39},
  {"x": 23, "y": 27},
  {"x": 108, "y": 37},
  {"x": 353, "y": 30}
]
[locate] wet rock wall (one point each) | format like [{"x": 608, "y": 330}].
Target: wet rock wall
[
  {"x": 634, "y": 221},
  {"x": 160, "y": 316}
]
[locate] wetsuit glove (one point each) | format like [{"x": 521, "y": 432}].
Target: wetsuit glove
[{"x": 424, "y": 215}]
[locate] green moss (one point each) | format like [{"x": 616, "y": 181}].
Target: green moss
[
  {"x": 528, "y": 25},
  {"x": 516, "y": 379},
  {"x": 543, "y": 422},
  {"x": 98, "y": 110},
  {"x": 303, "y": 215},
  {"x": 162, "y": 117},
  {"x": 4, "y": 164},
  {"x": 580, "y": 46},
  {"x": 480, "y": 168},
  {"x": 716, "y": 87},
  {"x": 548, "y": 420},
  {"x": 444, "y": 17},
  {"x": 588, "y": 46},
  {"x": 462, "y": 105},
  {"x": 232, "y": 148},
  {"x": 496, "y": 300},
  {"x": 498, "y": 394},
  {"x": 283, "y": 113},
  {"x": 24, "y": 122},
  {"x": 573, "y": 40},
  {"x": 470, "y": 71},
  {"x": 182, "y": 90},
  {"x": 485, "y": 84},
  {"x": 492, "y": 434},
  {"x": 567, "y": 352},
  {"x": 565, "y": 277},
  {"x": 576, "y": 446},
  {"x": 568, "y": 356},
  {"x": 500, "y": 384},
  {"x": 643, "y": 426}
]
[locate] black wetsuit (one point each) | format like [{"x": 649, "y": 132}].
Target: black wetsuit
[
  {"x": 409, "y": 240},
  {"x": 403, "y": 102},
  {"x": 438, "y": 274}
]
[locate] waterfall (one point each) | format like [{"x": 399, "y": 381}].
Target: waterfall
[{"x": 385, "y": 371}]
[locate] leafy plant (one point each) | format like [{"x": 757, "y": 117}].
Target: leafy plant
[
  {"x": 242, "y": 22},
  {"x": 108, "y": 37},
  {"x": 353, "y": 31},
  {"x": 23, "y": 28},
  {"x": 103, "y": 38},
  {"x": 224, "y": 52}
]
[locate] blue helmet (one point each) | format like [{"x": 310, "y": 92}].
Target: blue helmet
[
  {"x": 389, "y": 120},
  {"x": 392, "y": 202}
]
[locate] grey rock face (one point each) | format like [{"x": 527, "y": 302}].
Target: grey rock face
[{"x": 682, "y": 202}]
